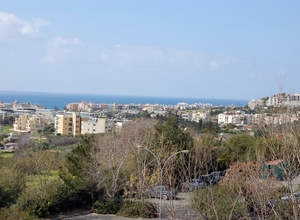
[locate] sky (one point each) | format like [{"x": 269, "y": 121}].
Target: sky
[{"x": 237, "y": 49}]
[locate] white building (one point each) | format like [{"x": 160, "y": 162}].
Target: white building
[
  {"x": 253, "y": 103},
  {"x": 236, "y": 117},
  {"x": 94, "y": 126},
  {"x": 284, "y": 99},
  {"x": 200, "y": 115},
  {"x": 186, "y": 116}
]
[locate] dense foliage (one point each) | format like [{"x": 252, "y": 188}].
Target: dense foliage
[{"x": 113, "y": 172}]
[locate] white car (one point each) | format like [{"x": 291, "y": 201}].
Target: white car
[{"x": 295, "y": 195}]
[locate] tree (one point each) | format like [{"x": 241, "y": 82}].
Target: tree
[
  {"x": 81, "y": 168},
  {"x": 116, "y": 153},
  {"x": 164, "y": 140},
  {"x": 12, "y": 181},
  {"x": 241, "y": 147},
  {"x": 55, "y": 108},
  {"x": 218, "y": 202}
]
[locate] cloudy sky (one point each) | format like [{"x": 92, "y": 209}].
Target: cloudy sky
[{"x": 171, "y": 48}]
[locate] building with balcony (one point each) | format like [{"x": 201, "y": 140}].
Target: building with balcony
[
  {"x": 29, "y": 123},
  {"x": 71, "y": 123},
  {"x": 284, "y": 99},
  {"x": 21, "y": 122},
  {"x": 235, "y": 117},
  {"x": 94, "y": 126},
  {"x": 68, "y": 124}
]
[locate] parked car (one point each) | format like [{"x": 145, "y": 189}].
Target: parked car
[
  {"x": 295, "y": 195},
  {"x": 165, "y": 191},
  {"x": 213, "y": 177},
  {"x": 192, "y": 184},
  {"x": 267, "y": 208}
]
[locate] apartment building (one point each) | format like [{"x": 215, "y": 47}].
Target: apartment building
[
  {"x": 73, "y": 106},
  {"x": 253, "y": 103},
  {"x": 29, "y": 123},
  {"x": 201, "y": 115},
  {"x": 68, "y": 124},
  {"x": 235, "y": 117},
  {"x": 35, "y": 123},
  {"x": 284, "y": 99},
  {"x": 186, "y": 116},
  {"x": 94, "y": 126},
  {"x": 71, "y": 123},
  {"x": 21, "y": 122}
]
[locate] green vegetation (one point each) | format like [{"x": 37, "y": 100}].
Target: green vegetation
[
  {"x": 108, "y": 205},
  {"x": 6, "y": 154},
  {"x": 5, "y": 129},
  {"x": 126, "y": 208},
  {"x": 113, "y": 172},
  {"x": 136, "y": 209},
  {"x": 225, "y": 200}
]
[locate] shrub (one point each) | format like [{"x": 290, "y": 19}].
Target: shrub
[
  {"x": 107, "y": 205},
  {"x": 134, "y": 209},
  {"x": 45, "y": 196},
  {"x": 35, "y": 206},
  {"x": 14, "y": 213}
]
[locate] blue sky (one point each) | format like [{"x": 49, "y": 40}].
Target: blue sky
[{"x": 240, "y": 49}]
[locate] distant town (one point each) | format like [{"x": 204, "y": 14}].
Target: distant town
[{"x": 86, "y": 117}]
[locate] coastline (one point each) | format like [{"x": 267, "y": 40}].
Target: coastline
[{"x": 49, "y": 100}]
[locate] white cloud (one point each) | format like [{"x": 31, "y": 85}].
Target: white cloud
[
  {"x": 62, "y": 49},
  {"x": 165, "y": 59},
  {"x": 251, "y": 75},
  {"x": 12, "y": 27},
  {"x": 117, "y": 46}
]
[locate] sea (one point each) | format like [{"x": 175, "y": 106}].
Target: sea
[{"x": 49, "y": 100}]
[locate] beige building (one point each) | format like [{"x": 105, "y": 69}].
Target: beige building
[
  {"x": 94, "y": 126},
  {"x": 21, "y": 122},
  {"x": 75, "y": 124},
  {"x": 72, "y": 106},
  {"x": 68, "y": 124},
  {"x": 29, "y": 123},
  {"x": 35, "y": 123}
]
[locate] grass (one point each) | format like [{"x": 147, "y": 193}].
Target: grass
[
  {"x": 6, "y": 154},
  {"x": 5, "y": 129}
]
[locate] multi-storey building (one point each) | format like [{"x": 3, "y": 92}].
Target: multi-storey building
[
  {"x": 73, "y": 106},
  {"x": 255, "y": 103},
  {"x": 35, "y": 123},
  {"x": 284, "y": 99},
  {"x": 21, "y": 122},
  {"x": 236, "y": 117},
  {"x": 186, "y": 115},
  {"x": 201, "y": 115},
  {"x": 94, "y": 126},
  {"x": 29, "y": 123},
  {"x": 76, "y": 124},
  {"x": 68, "y": 124}
]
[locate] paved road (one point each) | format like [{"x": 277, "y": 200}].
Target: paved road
[
  {"x": 172, "y": 209},
  {"x": 92, "y": 216}
]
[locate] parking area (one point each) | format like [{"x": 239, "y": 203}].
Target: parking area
[{"x": 171, "y": 209}]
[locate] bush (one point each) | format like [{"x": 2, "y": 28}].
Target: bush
[
  {"x": 134, "y": 209},
  {"x": 35, "y": 206},
  {"x": 107, "y": 205},
  {"x": 47, "y": 196},
  {"x": 14, "y": 213},
  {"x": 12, "y": 182}
]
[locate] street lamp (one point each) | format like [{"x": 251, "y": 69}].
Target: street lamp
[{"x": 162, "y": 166}]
